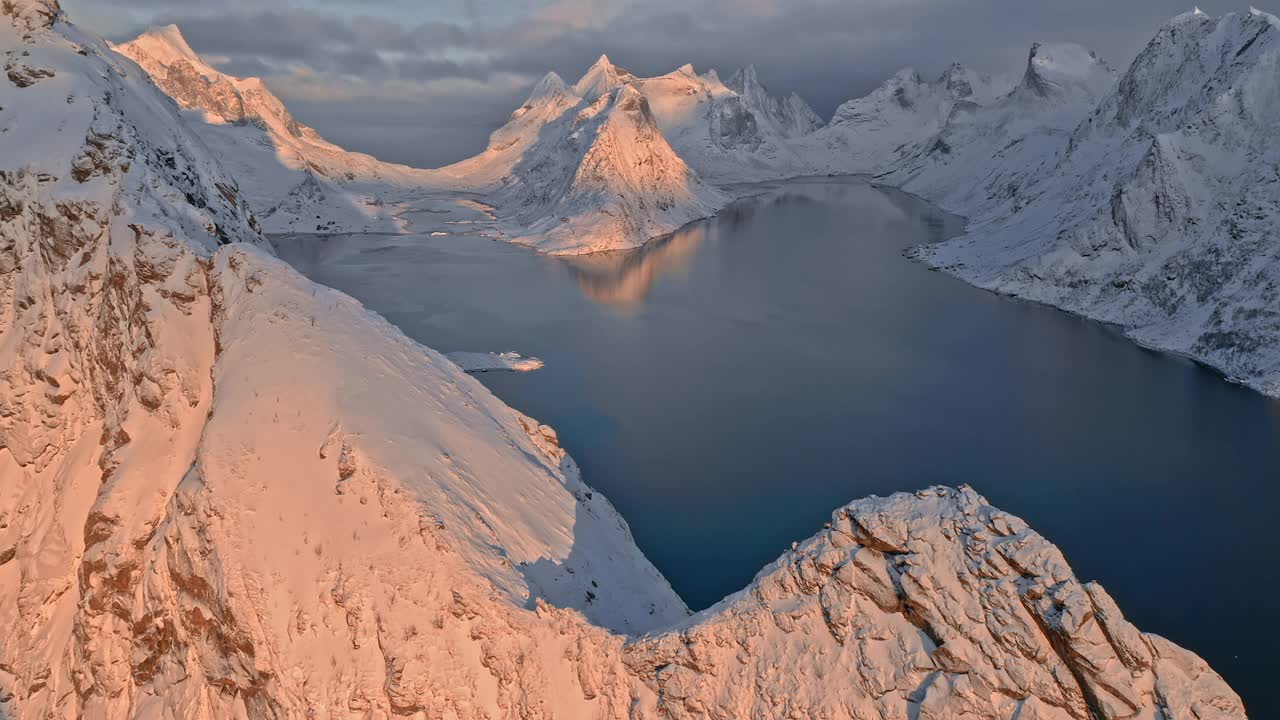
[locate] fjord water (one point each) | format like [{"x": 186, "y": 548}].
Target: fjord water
[{"x": 731, "y": 385}]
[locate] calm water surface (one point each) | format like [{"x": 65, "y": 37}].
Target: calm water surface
[{"x": 730, "y": 386}]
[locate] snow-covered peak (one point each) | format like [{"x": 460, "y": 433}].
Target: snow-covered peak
[
  {"x": 1054, "y": 69},
  {"x": 183, "y": 75},
  {"x": 551, "y": 85},
  {"x": 1191, "y": 14},
  {"x": 788, "y": 118},
  {"x": 744, "y": 79},
  {"x": 602, "y": 77},
  {"x": 164, "y": 46},
  {"x": 964, "y": 83}
]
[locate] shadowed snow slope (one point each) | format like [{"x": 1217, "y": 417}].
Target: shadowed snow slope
[
  {"x": 226, "y": 491},
  {"x": 1158, "y": 212},
  {"x": 983, "y": 151},
  {"x": 872, "y": 134},
  {"x": 295, "y": 179}
]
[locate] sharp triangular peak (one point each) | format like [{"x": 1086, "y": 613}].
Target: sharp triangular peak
[
  {"x": 550, "y": 85},
  {"x": 163, "y": 46},
  {"x": 602, "y": 77},
  {"x": 744, "y": 79},
  {"x": 168, "y": 37},
  {"x": 1056, "y": 67}
]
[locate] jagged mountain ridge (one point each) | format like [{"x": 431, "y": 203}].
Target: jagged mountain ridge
[
  {"x": 984, "y": 150},
  {"x": 728, "y": 132},
  {"x": 246, "y": 496},
  {"x": 569, "y": 174},
  {"x": 1155, "y": 213},
  {"x": 587, "y": 169},
  {"x": 280, "y": 160},
  {"x": 872, "y": 134}
]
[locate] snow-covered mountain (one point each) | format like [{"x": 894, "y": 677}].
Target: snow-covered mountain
[
  {"x": 226, "y": 491},
  {"x": 295, "y": 179},
  {"x": 729, "y": 132},
  {"x": 874, "y": 133},
  {"x": 1158, "y": 211},
  {"x": 226, "y": 488},
  {"x": 615, "y": 160},
  {"x": 985, "y": 149},
  {"x": 586, "y": 169}
]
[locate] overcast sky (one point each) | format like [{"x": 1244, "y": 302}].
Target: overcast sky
[{"x": 424, "y": 82}]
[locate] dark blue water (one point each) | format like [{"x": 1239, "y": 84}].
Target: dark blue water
[{"x": 729, "y": 387}]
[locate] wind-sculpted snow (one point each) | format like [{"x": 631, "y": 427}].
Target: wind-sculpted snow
[{"x": 1158, "y": 212}]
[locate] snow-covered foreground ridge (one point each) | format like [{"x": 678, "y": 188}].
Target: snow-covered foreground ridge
[{"x": 226, "y": 491}]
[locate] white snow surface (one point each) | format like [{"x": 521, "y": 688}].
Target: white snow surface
[
  {"x": 228, "y": 492},
  {"x": 485, "y": 362}
]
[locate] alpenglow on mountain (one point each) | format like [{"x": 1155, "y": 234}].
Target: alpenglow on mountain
[{"x": 227, "y": 491}]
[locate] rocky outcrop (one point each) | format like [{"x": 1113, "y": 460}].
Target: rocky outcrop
[{"x": 932, "y": 605}]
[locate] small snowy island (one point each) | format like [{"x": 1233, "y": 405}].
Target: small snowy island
[{"x": 473, "y": 362}]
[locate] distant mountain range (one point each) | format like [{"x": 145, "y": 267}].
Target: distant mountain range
[{"x": 1098, "y": 192}]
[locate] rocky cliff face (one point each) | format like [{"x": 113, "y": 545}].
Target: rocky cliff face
[
  {"x": 933, "y": 605},
  {"x": 785, "y": 117}
]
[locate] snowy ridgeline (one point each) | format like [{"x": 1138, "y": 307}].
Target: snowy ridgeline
[
  {"x": 226, "y": 491},
  {"x": 295, "y": 180}
]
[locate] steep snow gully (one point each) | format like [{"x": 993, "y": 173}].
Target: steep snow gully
[{"x": 226, "y": 491}]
